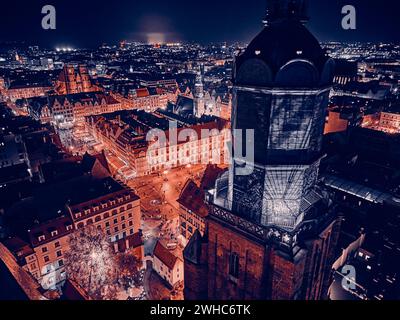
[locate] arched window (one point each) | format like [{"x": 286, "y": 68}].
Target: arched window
[
  {"x": 234, "y": 265},
  {"x": 254, "y": 72},
  {"x": 297, "y": 73}
]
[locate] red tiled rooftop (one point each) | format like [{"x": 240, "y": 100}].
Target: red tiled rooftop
[
  {"x": 164, "y": 255},
  {"x": 192, "y": 198}
]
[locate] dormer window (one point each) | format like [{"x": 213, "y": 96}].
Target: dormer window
[
  {"x": 69, "y": 227},
  {"x": 54, "y": 233},
  {"x": 87, "y": 211},
  {"x": 41, "y": 238},
  {"x": 78, "y": 215}
]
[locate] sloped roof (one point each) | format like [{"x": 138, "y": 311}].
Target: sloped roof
[
  {"x": 89, "y": 160},
  {"x": 164, "y": 255},
  {"x": 192, "y": 198},
  {"x": 210, "y": 176},
  {"x": 192, "y": 251}
]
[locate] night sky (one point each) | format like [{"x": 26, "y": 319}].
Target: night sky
[{"x": 89, "y": 23}]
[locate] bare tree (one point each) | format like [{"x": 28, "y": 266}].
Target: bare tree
[{"x": 91, "y": 263}]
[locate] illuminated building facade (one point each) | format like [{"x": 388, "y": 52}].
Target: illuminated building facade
[
  {"x": 125, "y": 134},
  {"x": 102, "y": 203},
  {"x": 16, "y": 92},
  {"x": 74, "y": 81},
  {"x": 65, "y": 111},
  {"x": 271, "y": 233}
]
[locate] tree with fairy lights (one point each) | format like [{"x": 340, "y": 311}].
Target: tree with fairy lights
[{"x": 90, "y": 262}]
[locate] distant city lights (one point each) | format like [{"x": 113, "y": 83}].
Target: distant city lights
[{"x": 64, "y": 49}]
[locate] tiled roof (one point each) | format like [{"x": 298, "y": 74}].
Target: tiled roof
[
  {"x": 164, "y": 255},
  {"x": 19, "y": 278},
  {"x": 58, "y": 225},
  {"x": 135, "y": 240},
  {"x": 210, "y": 176},
  {"x": 192, "y": 198}
]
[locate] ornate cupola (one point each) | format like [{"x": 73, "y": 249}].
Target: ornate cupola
[{"x": 284, "y": 54}]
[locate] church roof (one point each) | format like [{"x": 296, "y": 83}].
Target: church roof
[
  {"x": 192, "y": 198},
  {"x": 184, "y": 105}
]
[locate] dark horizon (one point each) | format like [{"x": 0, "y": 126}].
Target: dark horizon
[{"x": 89, "y": 24}]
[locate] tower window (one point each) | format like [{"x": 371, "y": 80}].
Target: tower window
[{"x": 234, "y": 265}]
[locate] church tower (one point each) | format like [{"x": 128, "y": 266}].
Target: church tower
[
  {"x": 272, "y": 233},
  {"x": 199, "y": 103},
  {"x": 85, "y": 78}
]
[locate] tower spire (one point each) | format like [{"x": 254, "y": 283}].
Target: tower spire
[{"x": 279, "y": 10}]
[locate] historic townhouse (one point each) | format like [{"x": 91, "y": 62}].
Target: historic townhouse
[{"x": 125, "y": 134}]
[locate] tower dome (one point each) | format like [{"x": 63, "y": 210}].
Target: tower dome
[{"x": 284, "y": 53}]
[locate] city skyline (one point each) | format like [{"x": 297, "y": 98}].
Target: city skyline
[
  {"x": 90, "y": 24},
  {"x": 155, "y": 167}
]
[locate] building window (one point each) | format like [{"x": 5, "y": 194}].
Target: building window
[
  {"x": 46, "y": 259},
  {"x": 60, "y": 263},
  {"x": 44, "y": 249},
  {"x": 57, "y": 244},
  {"x": 234, "y": 265},
  {"x": 59, "y": 253}
]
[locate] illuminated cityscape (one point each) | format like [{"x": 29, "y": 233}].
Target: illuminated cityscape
[{"x": 165, "y": 168}]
